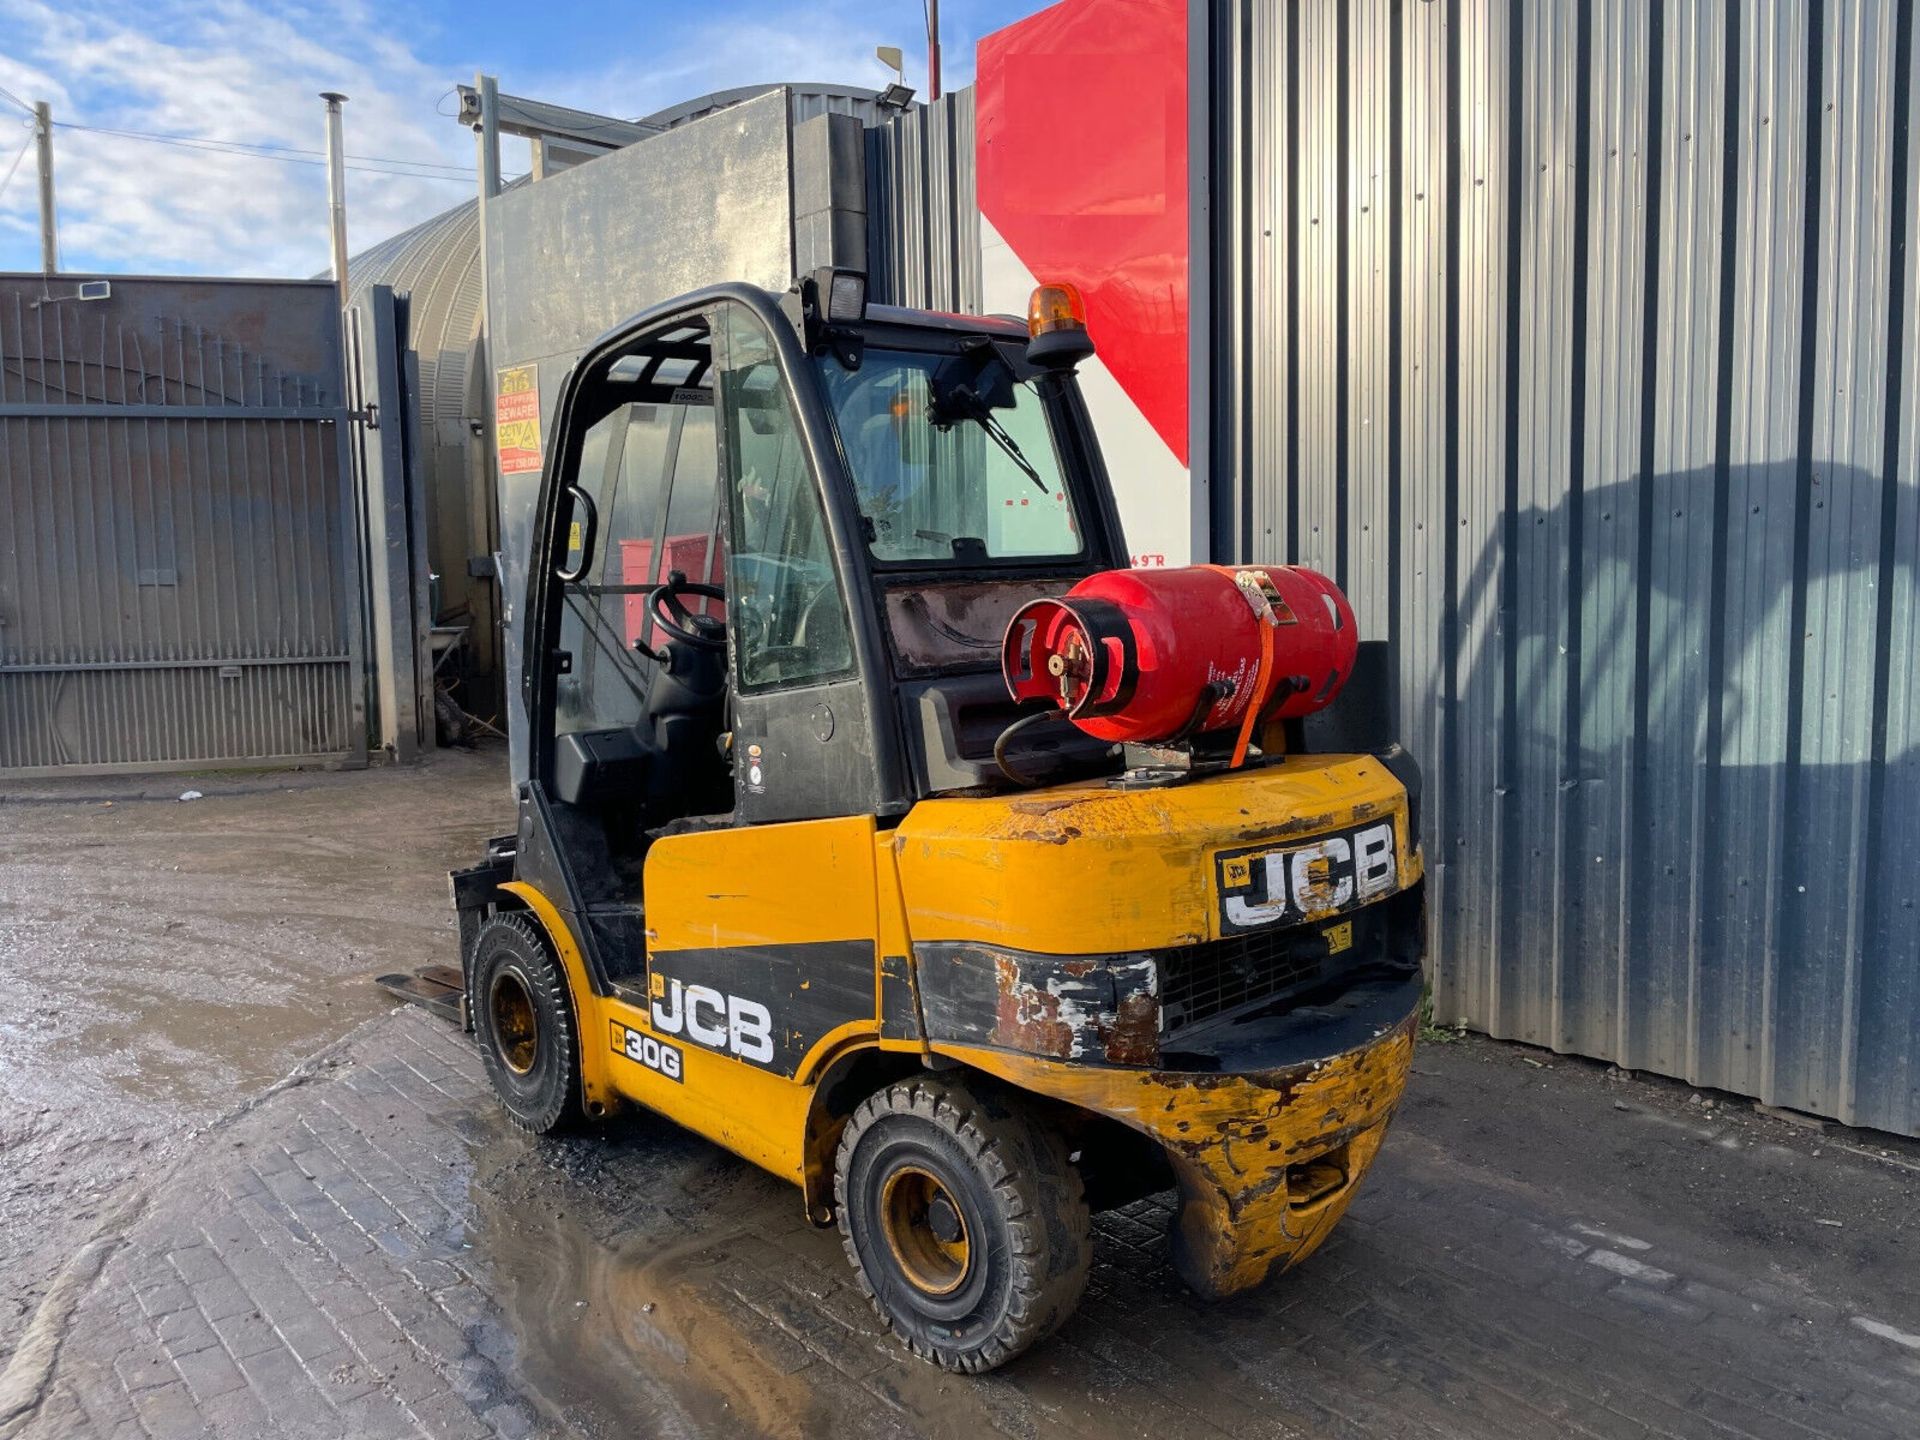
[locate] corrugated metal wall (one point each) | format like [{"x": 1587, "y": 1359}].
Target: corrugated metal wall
[
  {"x": 923, "y": 220},
  {"x": 178, "y": 574},
  {"x": 1573, "y": 338}
]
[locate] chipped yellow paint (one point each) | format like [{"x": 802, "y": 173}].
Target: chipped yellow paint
[
  {"x": 1232, "y": 1138},
  {"x": 1085, "y": 868}
]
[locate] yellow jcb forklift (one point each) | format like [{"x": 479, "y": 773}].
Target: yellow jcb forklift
[{"x": 883, "y": 827}]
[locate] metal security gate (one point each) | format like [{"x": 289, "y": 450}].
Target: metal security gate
[{"x": 178, "y": 578}]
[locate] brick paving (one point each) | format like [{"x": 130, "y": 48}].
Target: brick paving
[{"x": 370, "y": 1252}]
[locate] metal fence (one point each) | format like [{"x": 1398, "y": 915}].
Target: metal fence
[
  {"x": 177, "y": 565},
  {"x": 1572, "y": 337}
]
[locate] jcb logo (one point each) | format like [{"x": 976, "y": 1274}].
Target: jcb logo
[
  {"x": 706, "y": 1017},
  {"x": 1289, "y": 886}
]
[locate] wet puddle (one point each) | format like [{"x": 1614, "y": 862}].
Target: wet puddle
[{"x": 613, "y": 1315}]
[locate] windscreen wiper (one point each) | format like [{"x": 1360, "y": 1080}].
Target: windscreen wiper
[
  {"x": 959, "y": 395},
  {"x": 983, "y": 417}
]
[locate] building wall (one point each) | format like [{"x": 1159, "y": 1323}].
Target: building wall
[
  {"x": 923, "y": 215},
  {"x": 1572, "y": 339},
  {"x": 436, "y": 265}
]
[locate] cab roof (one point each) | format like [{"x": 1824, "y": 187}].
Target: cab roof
[{"x": 1005, "y": 326}]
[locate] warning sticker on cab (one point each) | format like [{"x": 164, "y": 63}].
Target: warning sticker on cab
[
  {"x": 516, "y": 419},
  {"x": 1264, "y": 885}
]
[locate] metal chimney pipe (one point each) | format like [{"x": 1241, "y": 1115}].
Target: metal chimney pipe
[
  {"x": 49, "y": 236},
  {"x": 337, "y": 191}
]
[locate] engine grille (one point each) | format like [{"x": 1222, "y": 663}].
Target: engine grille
[{"x": 1198, "y": 982}]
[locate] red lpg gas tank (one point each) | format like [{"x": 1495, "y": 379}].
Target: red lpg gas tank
[{"x": 1155, "y": 655}]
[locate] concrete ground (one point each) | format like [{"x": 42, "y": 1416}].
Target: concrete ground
[
  {"x": 162, "y": 961},
  {"x": 1544, "y": 1248}
]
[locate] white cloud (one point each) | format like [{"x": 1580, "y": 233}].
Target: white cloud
[
  {"x": 250, "y": 71},
  {"x": 829, "y": 41},
  {"x": 233, "y": 71}
]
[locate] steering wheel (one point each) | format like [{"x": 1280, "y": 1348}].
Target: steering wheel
[
  {"x": 823, "y": 593},
  {"x": 670, "y": 613},
  {"x": 801, "y": 654}
]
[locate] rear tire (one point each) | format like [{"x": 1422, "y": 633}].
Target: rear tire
[
  {"x": 964, "y": 1219},
  {"x": 523, "y": 1021}
]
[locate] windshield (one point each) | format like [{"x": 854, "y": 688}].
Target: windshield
[{"x": 952, "y": 459}]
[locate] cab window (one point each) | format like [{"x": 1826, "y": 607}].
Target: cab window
[
  {"x": 952, "y": 458},
  {"x": 644, "y": 497},
  {"x": 790, "y": 618}
]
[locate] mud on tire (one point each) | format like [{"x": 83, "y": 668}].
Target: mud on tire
[
  {"x": 523, "y": 1022},
  {"x": 1006, "y": 1259}
]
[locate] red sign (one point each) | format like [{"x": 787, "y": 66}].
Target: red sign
[{"x": 1082, "y": 137}]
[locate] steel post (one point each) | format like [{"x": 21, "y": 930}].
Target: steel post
[
  {"x": 43, "y": 141},
  {"x": 337, "y": 191},
  {"x": 933, "y": 50}
]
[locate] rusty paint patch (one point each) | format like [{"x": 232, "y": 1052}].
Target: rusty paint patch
[
  {"x": 1296, "y": 825},
  {"x": 1026, "y": 1016},
  {"x": 1047, "y": 804},
  {"x": 1134, "y": 1036}
]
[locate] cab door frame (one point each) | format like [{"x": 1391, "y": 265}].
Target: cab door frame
[
  {"x": 892, "y": 792},
  {"x": 542, "y": 857}
]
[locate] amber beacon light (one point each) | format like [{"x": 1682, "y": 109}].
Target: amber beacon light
[{"x": 1057, "y": 327}]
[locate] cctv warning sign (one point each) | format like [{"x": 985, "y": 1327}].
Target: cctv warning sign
[{"x": 516, "y": 419}]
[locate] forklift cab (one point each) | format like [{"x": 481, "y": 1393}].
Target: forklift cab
[{"x": 779, "y": 550}]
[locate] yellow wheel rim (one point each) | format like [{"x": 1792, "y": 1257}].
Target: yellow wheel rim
[
  {"x": 514, "y": 1025},
  {"x": 925, "y": 1229}
]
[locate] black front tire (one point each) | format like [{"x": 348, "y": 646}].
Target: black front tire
[
  {"x": 999, "y": 1258},
  {"x": 523, "y": 1020}
]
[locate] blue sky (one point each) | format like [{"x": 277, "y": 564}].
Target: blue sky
[{"x": 217, "y": 72}]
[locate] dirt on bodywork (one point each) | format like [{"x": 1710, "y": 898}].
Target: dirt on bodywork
[{"x": 165, "y": 960}]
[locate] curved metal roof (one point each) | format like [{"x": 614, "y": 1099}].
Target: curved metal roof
[
  {"x": 437, "y": 263},
  {"x": 808, "y": 100}
]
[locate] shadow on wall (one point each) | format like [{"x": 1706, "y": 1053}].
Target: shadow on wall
[{"x": 1680, "y": 833}]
